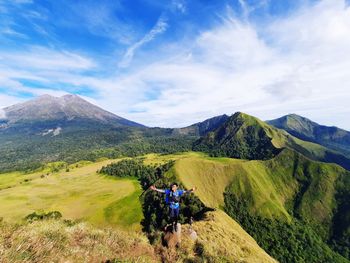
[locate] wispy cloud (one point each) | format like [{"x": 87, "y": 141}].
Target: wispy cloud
[
  {"x": 44, "y": 58},
  {"x": 245, "y": 8},
  {"x": 158, "y": 28},
  {"x": 10, "y": 32},
  {"x": 100, "y": 18},
  {"x": 43, "y": 67},
  {"x": 179, "y": 5},
  {"x": 293, "y": 63},
  {"x": 296, "y": 64}
]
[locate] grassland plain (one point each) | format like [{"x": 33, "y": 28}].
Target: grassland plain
[
  {"x": 83, "y": 194},
  {"x": 80, "y": 193},
  {"x": 269, "y": 185},
  {"x": 105, "y": 202}
]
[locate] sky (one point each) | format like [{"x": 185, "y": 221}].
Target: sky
[{"x": 171, "y": 63}]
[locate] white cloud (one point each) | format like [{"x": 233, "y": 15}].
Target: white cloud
[
  {"x": 179, "y": 5},
  {"x": 158, "y": 28},
  {"x": 7, "y": 100},
  {"x": 297, "y": 63},
  {"x": 44, "y": 58},
  {"x": 39, "y": 65},
  {"x": 10, "y": 32},
  {"x": 2, "y": 114}
]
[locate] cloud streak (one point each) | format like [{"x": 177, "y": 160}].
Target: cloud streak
[
  {"x": 158, "y": 28},
  {"x": 44, "y": 58},
  {"x": 290, "y": 64},
  {"x": 296, "y": 64}
]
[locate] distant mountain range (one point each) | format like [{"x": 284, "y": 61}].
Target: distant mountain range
[
  {"x": 305, "y": 129},
  {"x": 287, "y": 185},
  {"x": 246, "y": 137},
  {"x": 202, "y": 128},
  {"x": 69, "y": 128}
]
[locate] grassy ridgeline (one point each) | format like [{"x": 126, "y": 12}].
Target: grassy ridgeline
[
  {"x": 285, "y": 189},
  {"x": 246, "y": 137},
  {"x": 221, "y": 239},
  {"x": 57, "y": 241}
]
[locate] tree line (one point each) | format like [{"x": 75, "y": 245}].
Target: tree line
[{"x": 155, "y": 209}]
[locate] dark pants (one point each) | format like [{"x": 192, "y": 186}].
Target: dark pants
[{"x": 174, "y": 215}]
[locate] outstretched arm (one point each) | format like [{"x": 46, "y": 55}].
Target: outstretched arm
[
  {"x": 156, "y": 189},
  {"x": 190, "y": 191}
]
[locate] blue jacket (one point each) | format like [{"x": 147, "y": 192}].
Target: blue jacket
[{"x": 173, "y": 198}]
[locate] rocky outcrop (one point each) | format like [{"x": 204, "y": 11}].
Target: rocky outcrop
[{"x": 171, "y": 237}]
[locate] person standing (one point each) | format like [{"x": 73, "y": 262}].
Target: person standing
[{"x": 172, "y": 198}]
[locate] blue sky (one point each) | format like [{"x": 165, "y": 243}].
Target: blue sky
[{"x": 172, "y": 63}]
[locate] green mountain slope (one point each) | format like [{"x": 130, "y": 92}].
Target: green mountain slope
[
  {"x": 241, "y": 136},
  {"x": 224, "y": 240},
  {"x": 202, "y": 128},
  {"x": 70, "y": 129},
  {"x": 305, "y": 129},
  {"x": 246, "y": 137},
  {"x": 289, "y": 192},
  {"x": 109, "y": 214}
]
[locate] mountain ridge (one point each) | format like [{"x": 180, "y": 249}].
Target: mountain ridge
[
  {"x": 246, "y": 137},
  {"x": 68, "y": 128},
  {"x": 203, "y": 127},
  {"x": 305, "y": 129},
  {"x": 277, "y": 181},
  {"x": 67, "y": 107}
]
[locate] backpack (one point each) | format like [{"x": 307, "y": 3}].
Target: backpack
[{"x": 171, "y": 197}]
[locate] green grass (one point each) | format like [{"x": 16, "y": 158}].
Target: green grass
[
  {"x": 108, "y": 201},
  {"x": 286, "y": 189},
  {"x": 80, "y": 193},
  {"x": 125, "y": 211},
  {"x": 270, "y": 186},
  {"x": 212, "y": 176},
  {"x": 224, "y": 240},
  {"x": 272, "y": 189}
]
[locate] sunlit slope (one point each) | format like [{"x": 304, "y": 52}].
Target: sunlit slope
[
  {"x": 305, "y": 129},
  {"x": 226, "y": 241},
  {"x": 59, "y": 241},
  {"x": 80, "y": 193},
  {"x": 220, "y": 236},
  {"x": 212, "y": 177},
  {"x": 272, "y": 187}
]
